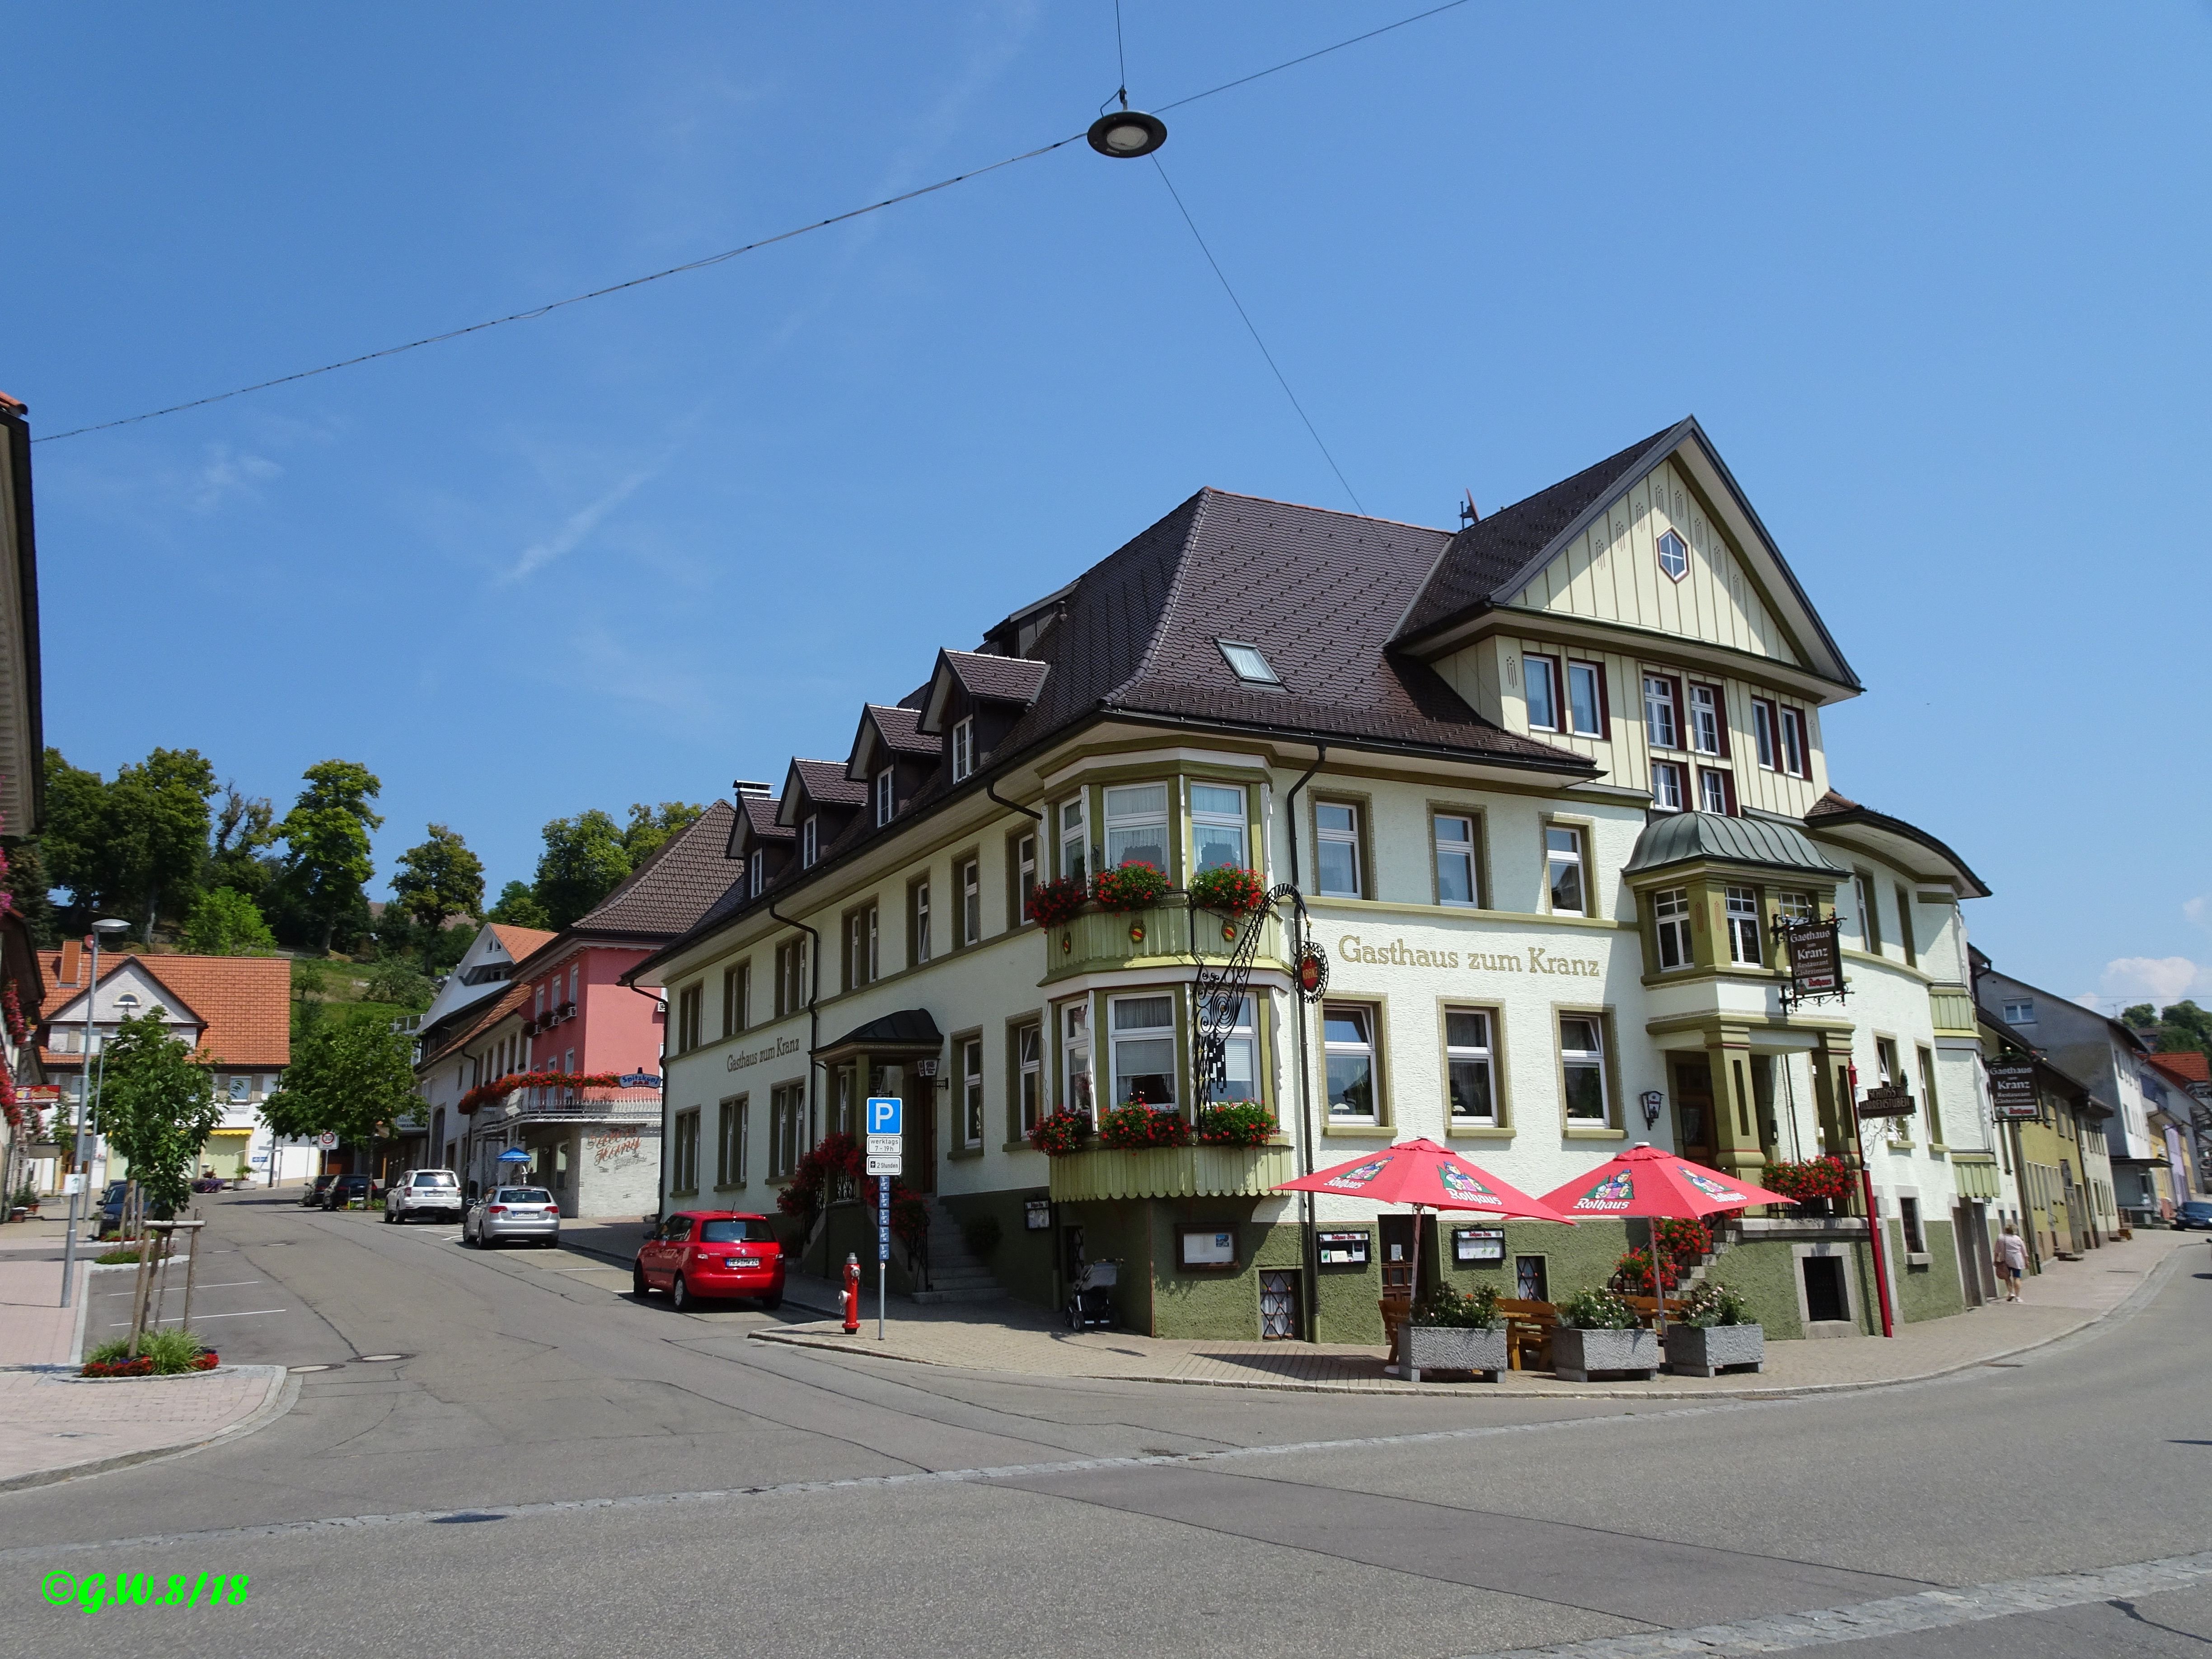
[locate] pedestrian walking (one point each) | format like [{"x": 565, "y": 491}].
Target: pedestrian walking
[{"x": 2011, "y": 1259}]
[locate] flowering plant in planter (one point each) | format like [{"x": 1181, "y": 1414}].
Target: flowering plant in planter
[
  {"x": 1710, "y": 1304},
  {"x": 1229, "y": 889},
  {"x": 1685, "y": 1243},
  {"x": 1059, "y": 1134},
  {"x": 1135, "y": 1125},
  {"x": 1134, "y": 886},
  {"x": 490, "y": 1094},
  {"x": 1632, "y": 1274},
  {"x": 1596, "y": 1308},
  {"x": 1475, "y": 1310},
  {"x": 1054, "y": 902},
  {"x": 1236, "y": 1123},
  {"x": 1828, "y": 1177},
  {"x": 11, "y": 1008}
]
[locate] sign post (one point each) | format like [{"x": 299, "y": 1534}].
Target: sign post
[{"x": 886, "y": 1147}]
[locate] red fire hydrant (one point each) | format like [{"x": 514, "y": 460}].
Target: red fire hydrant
[{"x": 852, "y": 1294}]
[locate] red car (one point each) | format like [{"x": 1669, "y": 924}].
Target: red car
[{"x": 699, "y": 1255}]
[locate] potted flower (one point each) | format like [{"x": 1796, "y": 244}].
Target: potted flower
[
  {"x": 1058, "y": 1135},
  {"x": 1236, "y": 1123},
  {"x": 1815, "y": 1186},
  {"x": 1716, "y": 1333},
  {"x": 1452, "y": 1331},
  {"x": 1134, "y": 886},
  {"x": 1054, "y": 903},
  {"x": 1228, "y": 887},
  {"x": 1598, "y": 1331},
  {"x": 1134, "y": 1126}
]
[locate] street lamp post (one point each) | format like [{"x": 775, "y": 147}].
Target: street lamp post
[{"x": 85, "y": 1101}]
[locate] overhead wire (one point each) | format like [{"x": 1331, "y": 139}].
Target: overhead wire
[
  {"x": 1254, "y": 331},
  {"x": 701, "y": 264}
]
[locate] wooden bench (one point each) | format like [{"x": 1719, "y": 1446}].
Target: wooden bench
[
  {"x": 1647, "y": 1309},
  {"x": 1528, "y": 1327}
]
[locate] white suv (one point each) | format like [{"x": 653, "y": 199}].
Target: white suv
[{"x": 424, "y": 1193}]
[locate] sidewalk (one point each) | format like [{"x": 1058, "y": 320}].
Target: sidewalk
[
  {"x": 54, "y": 1424},
  {"x": 1027, "y": 1342}
]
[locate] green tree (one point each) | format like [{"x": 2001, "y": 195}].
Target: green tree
[
  {"x": 517, "y": 906},
  {"x": 227, "y": 923},
  {"x": 73, "y": 846},
  {"x": 583, "y": 861},
  {"x": 157, "y": 1105},
  {"x": 438, "y": 880},
  {"x": 393, "y": 982},
  {"x": 649, "y": 827},
  {"x": 2140, "y": 1017},
  {"x": 245, "y": 829},
  {"x": 354, "y": 1077},
  {"x": 325, "y": 835},
  {"x": 157, "y": 815},
  {"x": 30, "y": 894},
  {"x": 2184, "y": 1026}
]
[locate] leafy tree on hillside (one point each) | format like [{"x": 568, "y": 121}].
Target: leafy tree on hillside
[
  {"x": 353, "y": 1076},
  {"x": 325, "y": 835},
  {"x": 157, "y": 816},
  {"x": 648, "y": 826},
  {"x": 438, "y": 880},
  {"x": 245, "y": 829},
  {"x": 583, "y": 861},
  {"x": 517, "y": 906},
  {"x": 394, "y": 982},
  {"x": 227, "y": 923},
  {"x": 157, "y": 1107}
]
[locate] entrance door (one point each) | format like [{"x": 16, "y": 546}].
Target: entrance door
[
  {"x": 1825, "y": 1299},
  {"x": 1399, "y": 1268},
  {"x": 1693, "y": 1110}
]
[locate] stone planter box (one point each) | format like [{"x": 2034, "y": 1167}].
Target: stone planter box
[
  {"x": 1452, "y": 1348},
  {"x": 1693, "y": 1350},
  {"x": 1578, "y": 1355}
]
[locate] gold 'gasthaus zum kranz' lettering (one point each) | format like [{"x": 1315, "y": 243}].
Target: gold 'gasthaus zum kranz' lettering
[{"x": 1398, "y": 954}]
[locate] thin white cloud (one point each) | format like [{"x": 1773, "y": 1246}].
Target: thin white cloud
[
  {"x": 574, "y": 529},
  {"x": 2156, "y": 980},
  {"x": 2199, "y": 911},
  {"x": 227, "y": 473}
]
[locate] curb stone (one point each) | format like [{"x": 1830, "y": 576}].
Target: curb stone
[{"x": 273, "y": 1405}]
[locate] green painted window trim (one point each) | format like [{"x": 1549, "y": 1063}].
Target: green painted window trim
[{"x": 1577, "y": 1131}]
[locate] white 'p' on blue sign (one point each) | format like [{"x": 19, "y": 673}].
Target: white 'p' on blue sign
[{"x": 883, "y": 1115}]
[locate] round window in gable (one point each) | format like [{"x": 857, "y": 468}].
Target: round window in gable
[{"x": 1673, "y": 557}]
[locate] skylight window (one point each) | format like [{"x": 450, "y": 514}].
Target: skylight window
[{"x": 1247, "y": 664}]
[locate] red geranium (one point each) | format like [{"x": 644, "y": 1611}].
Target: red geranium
[
  {"x": 1054, "y": 902},
  {"x": 1136, "y": 1126}
]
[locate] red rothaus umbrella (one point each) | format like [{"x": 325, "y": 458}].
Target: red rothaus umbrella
[
  {"x": 1657, "y": 1186},
  {"x": 1427, "y": 1176}
]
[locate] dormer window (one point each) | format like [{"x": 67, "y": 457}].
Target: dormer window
[
  {"x": 885, "y": 789},
  {"x": 963, "y": 748},
  {"x": 1247, "y": 664},
  {"x": 808, "y": 843},
  {"x": 1673, "y": 555},
  {"x": 756, "y": 880}
]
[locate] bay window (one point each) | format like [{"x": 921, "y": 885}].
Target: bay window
[
  {"x": 1670, "y": 911},
  {"x": 1743, "y": 933},
  {"x": 1075, "y": 1058},
  {"x": 1144, "y": 1051},
  {"x": 1239, "y": 1074},
  {"x": 1074, "y": 839},
  {"x": 1216, "y": 826},
  {"x": 1137, "y": 826}
]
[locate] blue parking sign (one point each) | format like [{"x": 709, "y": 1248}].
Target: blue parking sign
[{"x": 883, "y": 1115}]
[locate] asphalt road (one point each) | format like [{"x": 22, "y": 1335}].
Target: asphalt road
[{"x": 552, "y": 1466}]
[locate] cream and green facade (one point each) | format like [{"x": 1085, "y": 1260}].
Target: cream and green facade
[{"x": 1544, "y": 785}]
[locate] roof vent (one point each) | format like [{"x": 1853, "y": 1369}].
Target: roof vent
[{"x": 747, "y": 786}]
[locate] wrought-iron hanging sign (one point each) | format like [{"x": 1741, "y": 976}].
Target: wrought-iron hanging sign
[
  {"x": 1815, "y": 957},
  {"x": 1220, "y": 993},
  {"x": 2012, "y": 1090}
]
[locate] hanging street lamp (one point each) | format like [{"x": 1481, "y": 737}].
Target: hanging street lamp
[{"x": 1126, "y": 134}]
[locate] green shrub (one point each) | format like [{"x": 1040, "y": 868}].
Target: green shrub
[
  {"x": 1593, "y": 1307},
  {"x": 1476, "y": 1310},
  {"x": 168, "y": 1352}
]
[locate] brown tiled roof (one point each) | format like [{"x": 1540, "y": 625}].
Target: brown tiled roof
[
  {"x": 518, "y": 942},
  {"x": 900, "y": 727},
  {"x": 244, "y": 1003},
  {"x": 826, "y": 784},
  {"x": 1830, "y": 803},
  {"x": 997, "y": 679},
  {"x": 673, "y": 888},
  {"x": 757, "y": 813}
]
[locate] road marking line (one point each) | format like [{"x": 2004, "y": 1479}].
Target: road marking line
[
  {"x": 1895, "y": 1615},
  {"x": 251, "y": 1313},
  {"x": 227, "y": 1285}
]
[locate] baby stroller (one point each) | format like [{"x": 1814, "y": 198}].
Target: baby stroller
[{"x": 1091, "y": 1307}]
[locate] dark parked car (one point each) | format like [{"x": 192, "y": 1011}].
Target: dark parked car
[
  {"x": 349, "y": 1189},
  {"x": 2196, "y": 1216},
  {"x": 314, "y": 1194},
  {"x": 111, "y": 1210}
]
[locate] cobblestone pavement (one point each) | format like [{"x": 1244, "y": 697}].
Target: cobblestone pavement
[{"x": 1010, "y": 1339}]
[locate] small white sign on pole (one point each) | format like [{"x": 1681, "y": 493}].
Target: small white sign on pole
[
  {"x": 883, "y": 1163},
  {"x": 327, "y": 1140}
]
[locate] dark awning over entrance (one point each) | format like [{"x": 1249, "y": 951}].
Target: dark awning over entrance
[{"x": 909, "y": 1034}]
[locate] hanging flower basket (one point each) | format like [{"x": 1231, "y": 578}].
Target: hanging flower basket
[
  {"x": 1058, "y": 1135},
  {"x": 1134, "y": 886}
]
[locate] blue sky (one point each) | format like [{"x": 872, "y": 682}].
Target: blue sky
[{"x": 1932, "y": 277}]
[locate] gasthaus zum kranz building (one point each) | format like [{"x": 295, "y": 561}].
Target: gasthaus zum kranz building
[{"x": 1545, "y": 784}]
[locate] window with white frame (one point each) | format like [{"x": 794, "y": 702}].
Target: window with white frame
[
  {"x": 1767, "y": 739},
  {"x": 886, "y": 786},
  {"x": 1025, "y": 876},
  {"x": 1673, "y": 557},
  {"x": 756, "y": 876},
  {"x": 240, "y": 1089},
  {"x": 1454, "y": 838},
  {"x": 1794, "y": 907},
  {"x": 1246, "y": 663},
  {"x": 1870, "y": 918},
  {"x": 1075, "y": 1058},
  {"x": 1582, "y": 1059},
  {"x": 1144, "y": 1051},
  {"x": 1540, "y": 676},
  {"x": 1137, "y": 826},
  {"x": 1706, "y": 718},
  {"x": 808, "y": 843},
  {"x": 1240, "y": 1078},
  {"x": 1563, "y": 870},
  {"x": 1662, "y": 724},
  {"x": 786, "y": 1125},
  {"x": 1667, "y": 786},
  {"x": 1670, "y": 911},
  {"x": 964, "y": 748},
  {"x": 1336, "y": 848},
  {"x": 1029, "y": 1074},
  {"x": 2020, "y": 1012},
  {"x": 1216, "y": 825},
  {"x": 1712, "y": 790},
  {"x": 1586, "y": 699},
  {"x": 1074, "y": 839},
  {"x": 1743, "y": 930},
  {"x": 1793, "y": 744},
  {"x": 971, "y": 1091},
  {"x": 1467, "y": 1069},
  {"x": 919, "y": 924},
  {"x": 1348, "y": 1042},
  {"x": 971, "y": 901}
]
